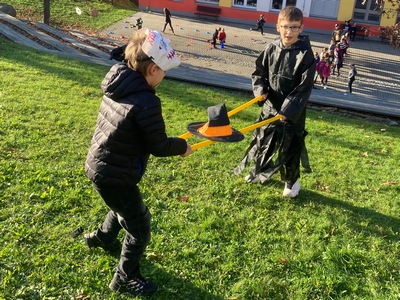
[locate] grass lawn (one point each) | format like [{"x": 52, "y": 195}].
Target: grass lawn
[
  {"x": 63, "y": 12},
  {"x": 213, "y": 235}
]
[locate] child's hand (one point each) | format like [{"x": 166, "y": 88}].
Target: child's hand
[
  {"x": 188, "y": 151},
  {"x": 264, "y": 97}
]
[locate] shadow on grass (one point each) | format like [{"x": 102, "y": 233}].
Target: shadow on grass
[
  {"x": 379, "y": 224},
  {"x": 172, "y": 287}
]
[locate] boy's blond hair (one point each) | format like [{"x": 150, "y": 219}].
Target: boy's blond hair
[
  {"x": 137, "y": 59},
  {"x": 291, "y": 13}
]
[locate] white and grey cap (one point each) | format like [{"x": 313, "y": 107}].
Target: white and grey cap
[{"x": 159, "y": 51}]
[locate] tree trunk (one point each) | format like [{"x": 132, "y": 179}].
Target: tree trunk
[{"x": 46, "y": 11}]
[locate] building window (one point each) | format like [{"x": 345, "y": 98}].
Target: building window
[
  {"x": 279, "y": 4},
  {"x": 248, "y": 3},
  {"x": 364, "y": 11},
  {"x": 209, "y": 1}
]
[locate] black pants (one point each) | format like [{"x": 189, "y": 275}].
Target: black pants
[
  {"x": 128, "y": 211},
  {"x": 259, "y": 27},
  {"x": 170, "y": 26},
  {"x": 214, "y": 42},
  {"x": 350, "y": 85}
]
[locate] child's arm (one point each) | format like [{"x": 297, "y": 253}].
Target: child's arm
[
  {"x": 152, "y": 127},
  {"x": 260, "y": 76}
]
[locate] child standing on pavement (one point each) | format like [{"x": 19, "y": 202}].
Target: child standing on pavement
[
  {"x": 317, "y": 60},
  {"x": 326, "y": 72},
  {"x": 320, "y": 66},
  {"x": 351, "y": 77},
  {"x": 337, "y": 60},
  {"x": 129, "y": 128},
  {"x": 215, "y": 37},
  {"x": 284, "y": 77},
  {"x": 222, "y": 36}
]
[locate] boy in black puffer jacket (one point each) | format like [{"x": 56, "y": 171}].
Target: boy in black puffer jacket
[{"x": 129, "y": 128}]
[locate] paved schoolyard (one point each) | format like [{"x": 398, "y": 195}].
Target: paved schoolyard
[{"x": 378, "y": 64}]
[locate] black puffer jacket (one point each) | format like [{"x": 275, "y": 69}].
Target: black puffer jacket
[
  {"x": 286, "y": 74},
  {"x": 129, "y": 128}
]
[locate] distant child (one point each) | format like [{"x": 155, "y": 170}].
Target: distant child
[
  {"x": 351, "y": 77},
  {"x": 222, "y": 36},
  {"x": 284, "y": 77},
  {"x": 343, "y": 45},
  {"x": 317, "y": 60},
  {"x": 347, "y": 40},
  {"x": 338, "y": 60},
  {"x": 260, "y": 24},
  {"x": 316, "y": 57},
  {"x": 326, "y": 72},
  {"x": 214, "y": 39},
  {"x": 139, "y": 23},
  {"x": 330, "y": 56},
  {"x": 324, "y": 51},
  {"x": 332, "y": 45},
  {"x": 337, "y": 33},
  {"x": 129, "y": 128},
  {"x": 168, "y": 16},
  {"x": 320, "y": 66}
]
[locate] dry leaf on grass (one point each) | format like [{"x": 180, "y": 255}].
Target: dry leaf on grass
[
  {"x": 283, "y": 260},
  {"x": 388, "y": 182},
  {"x": 333, "y": 230},
  {"x": 320, "y": 186}
]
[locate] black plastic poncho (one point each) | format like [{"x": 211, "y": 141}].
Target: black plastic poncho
[{"x": 286, "y": 75}]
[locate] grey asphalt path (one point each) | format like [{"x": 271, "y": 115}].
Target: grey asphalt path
[{"x": 376, "y": 90}]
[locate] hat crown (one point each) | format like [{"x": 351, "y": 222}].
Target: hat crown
[
  {"x": 218, "y": 126},
  {"x": 217, "y": 115}
]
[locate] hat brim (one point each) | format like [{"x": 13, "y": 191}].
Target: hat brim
[{"x": 236, "y": 136}]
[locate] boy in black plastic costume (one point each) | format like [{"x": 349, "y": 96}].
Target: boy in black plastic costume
[
  {"x": 129, "y": 128},
  {"x": 284, "y": 76}
]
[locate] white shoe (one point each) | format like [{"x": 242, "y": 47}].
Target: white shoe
[
  {"x": 324, "y": 87},
  {"x": 248, "y": 178},
  {"x": 291, "y": 193}
]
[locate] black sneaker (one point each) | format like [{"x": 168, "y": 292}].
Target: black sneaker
[
  {"x": 136, "y": 286},
  {"x": 92, "y": 241}
]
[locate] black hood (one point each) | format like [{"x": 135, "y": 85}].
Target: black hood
[{"x": 121, "y": 81}]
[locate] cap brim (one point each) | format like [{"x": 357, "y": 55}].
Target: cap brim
[{"x": 236, "y": 136}]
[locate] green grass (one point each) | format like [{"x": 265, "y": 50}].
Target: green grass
[
  {"x": 63, "y": 12},
  {"x": 231, "y": 240}
]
